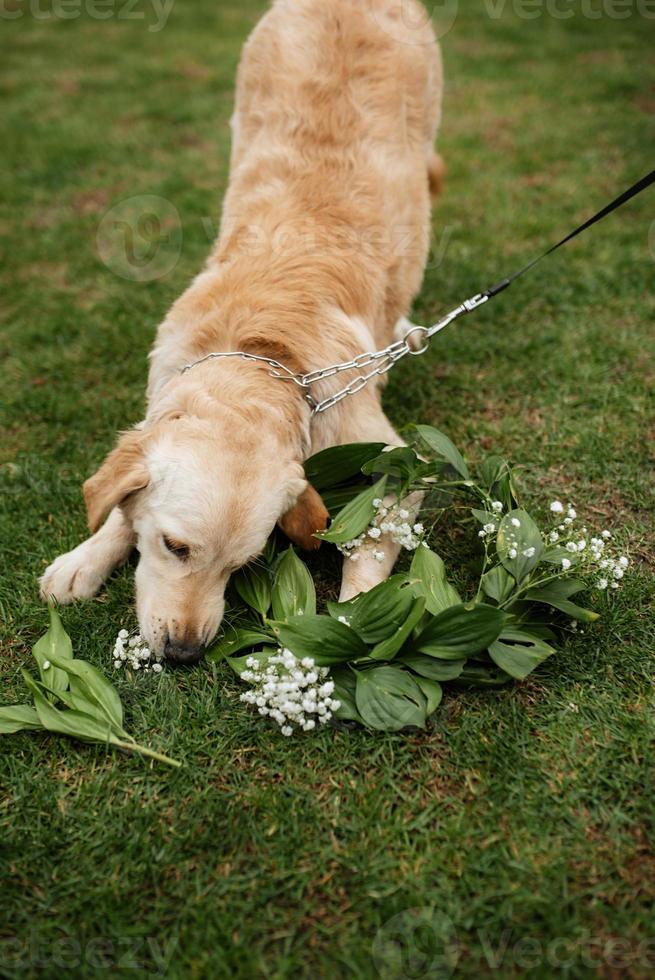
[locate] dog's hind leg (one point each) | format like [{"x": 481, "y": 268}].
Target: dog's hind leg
[{"x": 79, "y": 573}]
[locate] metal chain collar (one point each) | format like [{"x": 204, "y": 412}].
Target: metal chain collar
[{"x": 383, "y": 360}]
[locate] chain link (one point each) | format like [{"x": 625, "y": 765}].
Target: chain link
[{"x": 384, "y": 360}]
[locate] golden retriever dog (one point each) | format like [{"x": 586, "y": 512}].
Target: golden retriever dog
[{"x": 323, "y": 240}]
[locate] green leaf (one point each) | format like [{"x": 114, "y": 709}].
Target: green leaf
[
  {"x": 389, "y": 699},
  {"x": 54, "y": 643},
  {"x": 496, "y": 476},
  {"x": 436, "y": 670},
  {"x": 339, "y": 463},
  {"x": 337, "y": 498},
  {"x": 400, "y": 462},
  {"x": 89, "y": 683},
  {"x": 323, "y": 639},
  {"x": 387, "y": 649},
  {"x": 485, "y": 516},
  {"x": 524, "y": 540},
  {"x": 554, "y": 594},
  {"x": 355, "y": 516},
  {"x": 498, "y": 584},
  {"x": 293, "y": 589},
  {"x": 476, "y": 675},
  {"x": 253, "y": 583},
  {"x": 378, "y": 613},
  {"x": 73, "y": 723},
  {"x": 237, "y": 639},
  {"x": 427, "y": 576},
  {"x": 345, "y": 683},
  {"x": 518, "y": 652},
  {"x": 239, "y": 664},
  {"x": 555, "y": 553},
  {"x": 18, "y": 718},
  {"x": 461, "y": 631},
  {"x": 440, "y": 445},
  {"x": 432, "y": 691}
]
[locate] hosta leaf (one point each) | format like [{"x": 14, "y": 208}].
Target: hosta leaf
[
  {"x": 436, "y": 670},
  {"x": 476, "y": 675},
  {"x": 293, "y": 589},
  {"x": 336, "y": 498},
  {"x": 345, "y": 683},
  {"x": 554, "y": 594},
  {"x": 339, "y": 463},
  {"x": 400, "y": 462},
  {"x": 323, "y": 639},
  {"x": 376, "y": 614},
  {"x": 18, "y": 718},
  {"x": 92, "y": 685},
  {"x": 355, "y": 516},
  {"x": 432, "y": 691},
  {"x": 498, "y": 584},
  {"x": 440, "y": 445},
  {"x": 524, "y": 540},
  {"x": 253, "y": 583},
  {"x": 67, "y": 722},
  {"x": 239, "y": 664},
  {"x": 387, "y": 649},
  {"x": 427, "y": 576},
  {"x": 517, "y": 652},
  {"x": 496, "y": 476},
  {"x": 461, "y": 631},
  {"x": 389, "y": 699},
  {"x": 54, "y": 643},
  {"x": 236, "y": 640}
]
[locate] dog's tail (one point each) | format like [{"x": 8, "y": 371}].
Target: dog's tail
[{"x": 436, "y": 175}]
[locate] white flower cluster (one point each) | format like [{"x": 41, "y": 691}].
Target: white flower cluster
[
  {"x": 133, "y": 651},
  {"x": 491, "y": 527},
  {"x": 292, "y": 692},
  {"x": 387, "y": 520},
  {"x": 592, "y": 554}
]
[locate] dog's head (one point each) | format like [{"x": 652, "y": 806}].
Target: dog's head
[{"x": 202, "y": 502}]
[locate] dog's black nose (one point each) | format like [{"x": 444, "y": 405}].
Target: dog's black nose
[{"x": 184, "y": 655}]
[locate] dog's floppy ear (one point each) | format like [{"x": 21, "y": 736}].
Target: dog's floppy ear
[
  {"x": 123, "y": 472},
  {"x": 307, "y": 515}
]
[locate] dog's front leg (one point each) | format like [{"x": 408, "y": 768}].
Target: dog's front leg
[
  {"x": 79, "y": 573},
  {"x": 373, "y": 561}
]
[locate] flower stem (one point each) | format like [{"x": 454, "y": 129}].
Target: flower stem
[{"x": 142, "y": 750}]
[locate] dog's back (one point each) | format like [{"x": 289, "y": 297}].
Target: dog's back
[{"x": 336, "y": 111}]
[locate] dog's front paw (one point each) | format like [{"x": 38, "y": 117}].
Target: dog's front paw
[{"x": 71, "y": 576}]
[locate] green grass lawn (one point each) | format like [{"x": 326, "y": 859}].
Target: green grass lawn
[{"x": 523, "y": 818}]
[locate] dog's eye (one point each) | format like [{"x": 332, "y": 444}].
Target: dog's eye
[{"x": 181, "y": 551}]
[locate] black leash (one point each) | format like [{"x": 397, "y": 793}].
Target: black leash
[{"x": 631, "y": 192}]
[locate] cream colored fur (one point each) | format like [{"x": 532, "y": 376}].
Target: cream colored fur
[{"x": 322, "y": 245}]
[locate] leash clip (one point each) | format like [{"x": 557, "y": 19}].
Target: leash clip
[{"x": 475, "y": 301}]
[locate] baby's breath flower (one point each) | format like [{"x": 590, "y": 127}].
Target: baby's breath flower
[
  {"x": 497, "y": 506},
  {"x": 489, "y": 528},
  {"x": 566, "y": 563},
  {"x": 135, "y": 654},
  {"x": 571, "y": 512},
  {"x": 557, "y": 507},
  {"x": 294, "y": 693},
  {"x": 512, "y": 552},
  {"x": 602, "y": 583},
  {"x": 571, "y": 546},
  {"x": 47, "y": 665},
  {"x": 516, "y": 522},
  {"x": 553, "y": 537}
]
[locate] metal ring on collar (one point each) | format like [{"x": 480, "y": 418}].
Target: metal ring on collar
[{"x": 426, "y": 343}]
